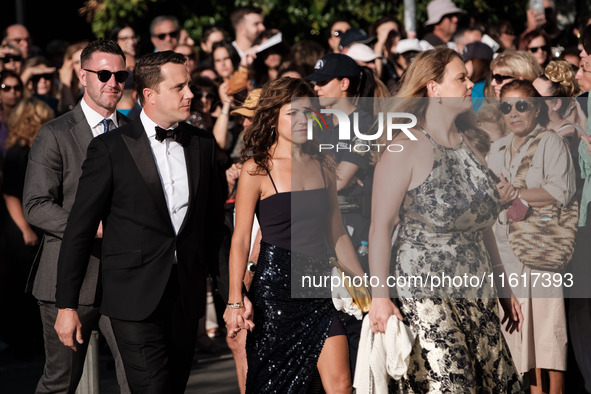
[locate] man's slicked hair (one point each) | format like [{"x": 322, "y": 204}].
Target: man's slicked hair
[
  {"x": 239, "y": 14},
  {"x": 102, "y": 45},
  {"x": 146, "y": 73}
]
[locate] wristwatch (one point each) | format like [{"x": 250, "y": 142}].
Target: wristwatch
[{"x": 251, "y": 266}]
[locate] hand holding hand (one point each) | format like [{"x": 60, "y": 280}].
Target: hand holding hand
[
  {"x": 239, "y": 318},
  {"x": 507, "y": 191}
]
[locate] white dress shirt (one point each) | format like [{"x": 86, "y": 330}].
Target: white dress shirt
[
  {"x": 94, "y": 119},
  {"x": 238, "y": 50},
  {"x": 169, "y": 156}
]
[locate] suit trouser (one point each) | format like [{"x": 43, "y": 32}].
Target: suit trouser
[
  {"x": 158, "y": 352},
  {"x": 63, "y": 366}
]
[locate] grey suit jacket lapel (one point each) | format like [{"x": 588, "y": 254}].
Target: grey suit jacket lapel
[
  {"x": 139, "y": 146},
  {"x": 80, "y": 129}
]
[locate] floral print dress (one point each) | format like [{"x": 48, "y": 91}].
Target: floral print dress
[{"x": 459, "y": 346}]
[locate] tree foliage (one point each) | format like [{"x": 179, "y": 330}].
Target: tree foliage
[
  {"x": 103, "y": 15},
  {"x": 297, "y": 19}
]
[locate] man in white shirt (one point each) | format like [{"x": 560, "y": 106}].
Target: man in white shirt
[{"x": 248, "y": 25}]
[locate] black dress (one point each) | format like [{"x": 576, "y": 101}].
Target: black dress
[
  {"x": 17, "y": 259},
  {"x": 283, "y": 349}
]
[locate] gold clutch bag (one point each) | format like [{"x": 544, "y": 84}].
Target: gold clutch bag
[{"x": 360, "y": 294}]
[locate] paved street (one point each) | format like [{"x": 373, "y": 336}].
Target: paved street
[{"x": 210, "y": 374}]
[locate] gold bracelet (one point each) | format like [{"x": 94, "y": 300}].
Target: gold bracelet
[{"x": 235, "y": 305}]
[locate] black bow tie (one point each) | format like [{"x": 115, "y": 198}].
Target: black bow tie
[{"x": 175, "y": 134}]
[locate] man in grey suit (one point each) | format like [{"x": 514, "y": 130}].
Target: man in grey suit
[{"x": 55, "y": 165}]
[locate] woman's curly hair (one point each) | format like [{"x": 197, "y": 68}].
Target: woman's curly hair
[
  {"x": 25, "y": 120},
  {"x": 261, "y": 135},
  {"x": 562, "y": 76}
]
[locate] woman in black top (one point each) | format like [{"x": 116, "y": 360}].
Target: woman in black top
[{"x": 292, "y": 189}]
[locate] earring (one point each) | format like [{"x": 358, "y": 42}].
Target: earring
[
  {"x": 273, "y": 131},
  {"x": 439, "y": 100}
]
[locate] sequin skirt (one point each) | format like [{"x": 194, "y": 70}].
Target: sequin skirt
[{"x": 283, "y": 349}]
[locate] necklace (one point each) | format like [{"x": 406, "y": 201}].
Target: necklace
[{"x": 513, "y": 145}]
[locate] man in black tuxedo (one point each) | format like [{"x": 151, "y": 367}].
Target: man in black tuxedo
[{"x": 153, "y": 184}]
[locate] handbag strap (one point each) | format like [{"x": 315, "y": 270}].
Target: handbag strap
[{"x": 525, "y": 164}]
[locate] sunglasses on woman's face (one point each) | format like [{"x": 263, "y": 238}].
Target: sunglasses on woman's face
[
  {"x": 9, "y": 58},
  {"x": 521, "y": 106},
  {"x": 535, "y": 49},
  {"x": 499, "y": 79},
  {"x": 36, "y": 78},
  {"x": 7, "y": 88}
]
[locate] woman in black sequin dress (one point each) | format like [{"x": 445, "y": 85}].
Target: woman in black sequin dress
[{"x": 291, "y": 188}]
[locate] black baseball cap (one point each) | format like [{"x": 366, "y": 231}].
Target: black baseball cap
[
  {"x": 334, "y": 65},
  {"x": 477, "y": 50},
  {"x": 355, "y": 35}
]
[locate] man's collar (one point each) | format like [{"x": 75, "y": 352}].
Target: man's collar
[
  {"x": 94, "y": 118},
  {"x": 150, "y": 125}
]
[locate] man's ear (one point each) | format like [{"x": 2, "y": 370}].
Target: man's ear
[
  {"x": 82, "y": 76},
  {"x": 149, "y": 96}
]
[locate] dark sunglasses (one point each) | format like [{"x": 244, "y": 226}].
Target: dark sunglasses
[
  {"x": 498, "y": 78},
  {"x": 338, "y": 33},
  {"x": 37, "y": 78},
  {"x": 544, "y": 48},
  {"x": 8, "y": 58},
  {"x": 8, "y": 88},
  {"x": 105, "y": 75},
  {"x": 172, "y": 34},
  {"x": 521, "y": 106},
  {"x": 190, "y": 56}
]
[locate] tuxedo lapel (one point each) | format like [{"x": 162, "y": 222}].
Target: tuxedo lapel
[
  {"x": 192, "y": 158},
  {"x": 121, "y": 119},
  {"x": 80, "y": 129},
  {"x": 139, "y": 146}
]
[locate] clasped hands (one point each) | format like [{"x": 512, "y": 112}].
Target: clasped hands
[
  {"x": 507, "y": 191},
  {"x": 239, "y": 318}
]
